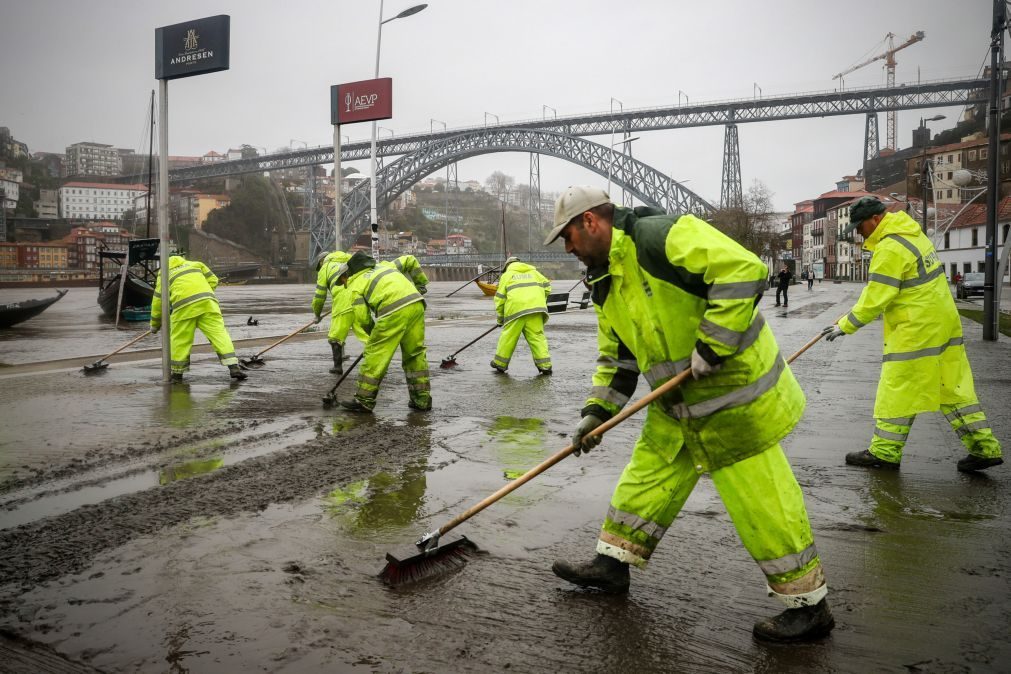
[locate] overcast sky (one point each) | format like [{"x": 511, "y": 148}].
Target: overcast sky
[{"x": 83, "y": 70}]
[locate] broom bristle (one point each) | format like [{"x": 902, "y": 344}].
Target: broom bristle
[{"x": 436, "y": 562}]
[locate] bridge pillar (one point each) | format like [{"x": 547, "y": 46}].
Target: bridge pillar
[
  {"x": 731, "y": 193},
  {"x": 534, "y": 200},
  {"x": 872, "y": 145}
]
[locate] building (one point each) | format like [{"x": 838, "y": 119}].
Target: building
[
  {"x": 10, "y": 191},
  {"x": 97, "y": 201},
  {"x": 944, "y": 161},
  {"x": 51, "y": 161},
  {"x": 458, "y": 244},
  {"x": 800, "y": 228},
  {"x": 193, "y": 209},
  {"x": 48, "y": 204},
  {"x": 83, "y": 243},
  {"x": 92, "y": 159},
  {"x": 10, "y": 147},
  {"x": 961, "y": 246}
]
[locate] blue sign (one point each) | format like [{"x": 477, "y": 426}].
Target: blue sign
[{"x": 191, "y": 48}]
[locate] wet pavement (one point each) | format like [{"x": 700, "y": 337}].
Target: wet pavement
[{"x": 236, "y": 527}]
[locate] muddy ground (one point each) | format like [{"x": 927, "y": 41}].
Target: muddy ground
[{"x": 238, "y": 527}]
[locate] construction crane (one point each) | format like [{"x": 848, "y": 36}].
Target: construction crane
[{"x": 889, "y": 57}]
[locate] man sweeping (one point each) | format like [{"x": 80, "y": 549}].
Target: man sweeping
[
  {"x": 673, "y": 293},
  {"x": 193, "y": 305},
  {"x": 327, "y": 265},
  {"x": 521, "y": 309},
  {"x": 924, "y": 367},
  {"x": 388, "y": 306}
]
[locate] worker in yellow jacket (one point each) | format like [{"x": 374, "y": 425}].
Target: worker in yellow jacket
[
  {"x": 327, "y": 265},
  {"x": 924, "y": 367},
  {"x": 672, "y": 293},
  {"x": 193, "y": 305},
  {"x": 521, "y": 309}
]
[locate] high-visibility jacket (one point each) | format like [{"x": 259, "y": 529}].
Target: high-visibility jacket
[
  {"x": 409, "y": 266},
  {"x": 672, "y": 285},
  {"x": 374, "y": 292},
  {"x": 522, "y": 290},
  {"x": 326, "y": 279},
  {"x": 923, "y": 350},
  {"x": 191, "y": 290}
]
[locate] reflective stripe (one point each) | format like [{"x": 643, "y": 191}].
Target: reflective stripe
[
  {"x": 738, "y": 340},
  {"x": 921, "y": 353},
  {"x": 774, "y": 567},
  {"x": 222, "y": 356},
  {"x": 541, "y": 361},
  {"x": 665, "y": 370},
  {"x": 921, "y": 269},
  {"x": 899, "y": 421},
  {"x": 854, "y": 320},
  {"x": 526, "y": 284},
  {"x": 158, "y": 295},
  {"x": 399, "y": 264},
  {"x": 180, "y": 363},
  {"x": 742, "y": 396},
  {"x": 886, "y": 280},
  {"x": 525, "y": 312},
  {"x": 320, "y": 288},
  {"x": 184, "y": 272},
  {"x": 375, "y": 281},
  {"x": 967, "y": 429},
  {"x": 402, "y": 302},
  {"x": 609, "y": 395},
  {"x": 738, "y": 290},
  {"x": 364, "y": 378},
  {"x": 888, "y": 435},
  {"x": 502, "y": 359},
  {"x": 193, "y": 298},
  {"x": 923, "y": 279},
  {"x": 607, "y": 361},
  {"x": 358, "y": 301},
  {"x": 635, "y": 522},
  {"x": 500, "y": 296},
  {"x": 963, "y": 411},
  {"x": 421, "y": 386}
]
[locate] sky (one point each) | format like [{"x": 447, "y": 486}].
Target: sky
[{"x": 83, "y": 71}]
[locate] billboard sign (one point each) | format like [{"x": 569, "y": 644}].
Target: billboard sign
[
  {"x": 191, "y": 48},
  {"x": 364, "y": 101}
]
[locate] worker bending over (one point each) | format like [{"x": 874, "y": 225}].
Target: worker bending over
[{"x": 521, "y": 308}]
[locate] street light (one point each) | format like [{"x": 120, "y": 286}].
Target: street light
[
  {"x": 295, "y": 140},
  {"x": 544, "y": 111},
  {"x": 486, "y": 117},
  {"x": 383, "y": 128},
  {"x": 924, "y": 172},
  {"x": 373, "y": 207},
  {"x": 610, "y": 165},
  {"x": 680, "y": 94},
  {"x": 755, "y": 86}
]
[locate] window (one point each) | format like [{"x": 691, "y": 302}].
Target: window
[
  {"x": 951, "y": 158},
  {"x": 975, "y": 236},
  {"x": 972, "y": 155},
  {"x": 981, "y": 266},
  {"x": 982, "y": 153},
  {"x": 967, "y": 267},
  {"x": 947, "y": 239},
  {"x": 1004, "y": 236},
  {"x": 949, "y": 175},
  {"x": 954, "y": 270},
  {"x": 948, "y": 196}
]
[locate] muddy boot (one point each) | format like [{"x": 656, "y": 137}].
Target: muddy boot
[
  {"x": 972, "y": 463},
  {"x": 177, "y": 378},
  {"x": 867, "y": 460},
  {"x": 421, "y": 407},
  {"x": 498, "y": 369},
  {"x": 355, "y": 405},
  {"x": 235, "y": 372},
  {"x": 603, "y": 572},
  {"x": 337, "y": 349},
  {"x": 796, "y": 624},
  {"x": 546, "y": 371}
]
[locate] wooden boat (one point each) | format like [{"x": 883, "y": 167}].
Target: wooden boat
[
  {"x": 137, "y": 284},
  {"x": 18, "y": 312},
  {"x": 489, "y": 289}
]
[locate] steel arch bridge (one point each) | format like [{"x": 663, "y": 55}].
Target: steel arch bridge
[{"x": 645, "y": 183}]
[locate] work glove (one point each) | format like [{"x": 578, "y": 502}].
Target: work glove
[
  {"x": 831, "y": 332},
  {"x": 498, "y": 321},
  {"x": 702, "y": 367},
  {"x": 317, "y": 319},
  {"x": 422, "y": 289},
  {"x": 155, "y": 329},
  {"x": 581, "y": 440}
]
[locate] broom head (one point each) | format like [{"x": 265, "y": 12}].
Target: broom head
[
  {"x": 448, "y": 362},
  {"x": 436, "y": 561}
]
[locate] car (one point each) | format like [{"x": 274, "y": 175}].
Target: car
[{"x": 971, "y": 284}]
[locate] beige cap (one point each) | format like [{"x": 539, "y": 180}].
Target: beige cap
[{"x": 574, "y": 201}]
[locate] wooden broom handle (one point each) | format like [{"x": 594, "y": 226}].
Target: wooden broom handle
[{"x": 286, "y": 338}]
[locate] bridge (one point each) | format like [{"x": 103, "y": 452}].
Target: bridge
[{"x": 564, "y": 137}]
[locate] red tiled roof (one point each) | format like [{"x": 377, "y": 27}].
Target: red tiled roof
[
  {"x": 107, "y": 186},
  {"x": 959, "y": 146},
  {"x": 974, "y": 215}
]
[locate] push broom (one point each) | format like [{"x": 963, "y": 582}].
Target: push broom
[
  {"x": 450, "y": 361},
  {"x": 256, "y": 360},
  {"x": 435, "y": 559}
]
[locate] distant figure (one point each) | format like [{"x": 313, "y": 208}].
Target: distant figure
[
  {"x": 810, "y": 280},
  {"x": 250, "y": 321},
  {"x": 193, "y": 305},
  {"x": 783, "y": 285},
  {"x": 957, "y": 278},
  {"x": 521, "y": 309}
]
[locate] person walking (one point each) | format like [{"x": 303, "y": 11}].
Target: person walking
[
  {"x": 521, "y": 309},
  {"x": 783, "y": 285},
  {"x": 390, "y": 309},
  {"x": 924, "y": 367},
  {"x": 193, "y": 305},
  {"x": 810, "y": 280},
  {"x": 673, "y": 293}
]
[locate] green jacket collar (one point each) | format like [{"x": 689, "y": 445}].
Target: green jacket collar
[{"x": 621, "y": 228}]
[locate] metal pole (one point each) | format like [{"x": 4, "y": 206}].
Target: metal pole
[
  {"x": 337, "y": 186},
  {"x": 924, "y": 177},
  {"x": 991, "y": 312},
  {"x": 163, "y": 226},
  {"x": 373, "y": 205}
]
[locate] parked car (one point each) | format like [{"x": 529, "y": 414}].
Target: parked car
[{"x": 971, "y": 284}]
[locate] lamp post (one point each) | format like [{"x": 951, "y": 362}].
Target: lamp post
[
  {"x": 373, "y": 208},
  {"x": 544, "y": 111},
  {"x": 925, "y": 173},
  {"x": 754, "y": 88},
  {"x": 680, "y": 94},
  {"x": 610, "y": 165},
  {"x": 486, "y": 117}
]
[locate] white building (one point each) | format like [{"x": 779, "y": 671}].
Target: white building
[
  {"x": 10, "y": 185},
  {"x": 97, "y": 201},
  {"x": 92, "y": 159},
  {"x": 961, "y": 247}
]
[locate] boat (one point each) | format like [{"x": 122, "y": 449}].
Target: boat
[
  {"x": 19, "y": 312},
  {"x": 136, "y": 313},
  {"x": 488, "y": 289},
  {"x": 136, "y": 285}
]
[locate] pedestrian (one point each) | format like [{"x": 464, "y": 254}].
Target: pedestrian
[
  {"x": 810, "y": 280},
  {"x": 521, "y": 309},
  {"x": 783, "y": 285},
  {"x": 193, "y": 305},
  {"x": 390, "y": 309},
  {"x": 924, "y": 367},
  {"x": 673, "y": 293},
  {"x": 327, "y": 265},
  {"x": 958, "y": 278}
]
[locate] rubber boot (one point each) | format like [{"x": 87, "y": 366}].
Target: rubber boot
[
  {"x": 972, "y": 463},
  {"x": 177, "y": 378},
  {"x": 867, "y": 460},
  {"x": 603, "y": 572},
  {"x": 337, "y": 349},
  {"x": 546, "y": 371},
  {"x": 796, "y": 624},
  {"x": 421, "y": 407},
  {"x": 235, "y": 372},
  {"x": 355, "y": 405}
]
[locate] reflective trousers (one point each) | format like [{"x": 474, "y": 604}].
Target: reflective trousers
[
  {"x": 531, "y": 327},
  {"x": 213, "y": 327},
  {"x": 967, "y": 420},
  {"x": 760, "y": 494},
  {"x": 404, "y": 328}
]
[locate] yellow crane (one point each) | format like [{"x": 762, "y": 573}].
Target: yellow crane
[{"x": 889, "y": 56}]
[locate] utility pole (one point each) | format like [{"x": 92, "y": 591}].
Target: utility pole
[{"x": 991, "y": 312}]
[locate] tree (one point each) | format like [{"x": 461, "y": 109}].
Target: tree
[
  {"x": 499, "y": 184},
  {"x": 754, "y": 224}
]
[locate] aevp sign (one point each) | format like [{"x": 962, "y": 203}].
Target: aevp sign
[
  {"x": 363, "y": 101},
  {"x": 191, "y": 48}
]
